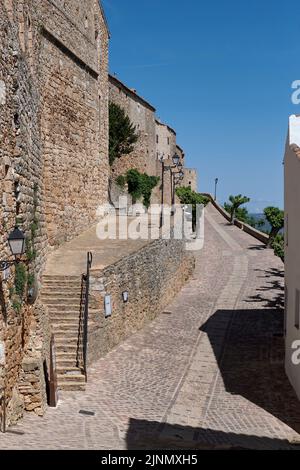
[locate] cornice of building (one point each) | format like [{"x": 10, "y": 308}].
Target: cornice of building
[
  {"x": 115, "y": 81},
  {"x": 165, "y": 125},
  {"x": 104, "y": 17}
]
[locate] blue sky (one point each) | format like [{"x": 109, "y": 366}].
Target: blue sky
[{"x": 220, "y": 73}]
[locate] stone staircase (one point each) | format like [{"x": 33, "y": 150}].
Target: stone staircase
[{"x": 62, "y": 295}]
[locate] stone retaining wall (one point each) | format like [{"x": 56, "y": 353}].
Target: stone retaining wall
[
  {"x": 152, "y": 277},
  {"x": 262, "y": 237}
]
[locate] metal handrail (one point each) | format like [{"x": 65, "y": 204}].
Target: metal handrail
[
  {"x": 3, "y": 412},
  {"x": 82, "y": 347}
]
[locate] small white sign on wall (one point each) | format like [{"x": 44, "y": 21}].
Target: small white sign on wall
[
  {"x": 6, "y": 274},
  {"x": 107, "y": 306},
  {"x": 2, "y": 93},
  {"x": 2, "y": 353}
]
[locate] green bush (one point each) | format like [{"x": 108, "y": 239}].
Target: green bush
[
  {"x": 121, "y": 181},
  {"x": 140, "y": 185},
  {"x": 278, "y": 246}
]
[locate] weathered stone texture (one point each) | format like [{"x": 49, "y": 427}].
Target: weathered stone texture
[
  {"x": 166, "y": 149},
  {"x": 74, "y": 116},
  {"x": 151, "y": 276},
  {"x": 191, "y": 178},
  {"x": 53, "y": 161},
  {"x": 142, "y": 115}
]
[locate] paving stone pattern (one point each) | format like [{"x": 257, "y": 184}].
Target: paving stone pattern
[{"x": 207, "y": 373}]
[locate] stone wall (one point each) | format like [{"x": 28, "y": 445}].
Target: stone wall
[
  {"x": 151, "y": 276},
  {"x": 142, "y": 115},
  {"x": 53, "y": 164},
  {"x": 261, "y": 236},
  {"x": 191, "y": 178},
  {"x": 73, "y": 62},
  {"x": 166, "y": 148}
]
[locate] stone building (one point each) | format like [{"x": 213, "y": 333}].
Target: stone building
[
  {"x": 54, "y": 164},
  {"x": 166, "y": 148},
  {"x": 292, "y": 253},
  {"x": 142, "y": 115},
  {"x": 191, "y": 178}
]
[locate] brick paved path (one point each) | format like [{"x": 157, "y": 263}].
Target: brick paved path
[{"x": 206, "y": 373}]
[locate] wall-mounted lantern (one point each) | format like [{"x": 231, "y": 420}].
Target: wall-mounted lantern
[
  {"x": 16, "y": 242},
  {"x": 176, "y": 159}
]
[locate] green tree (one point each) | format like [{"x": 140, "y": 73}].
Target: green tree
[
  {"x": 122, "y": 133},
  {"x": 278, "y": 246},
  {"x": 243, "y": 215},
  {"x": 189, "y": 197},
  {"x": 235, "y": 203},
  {"x": 275, "y": 217}
]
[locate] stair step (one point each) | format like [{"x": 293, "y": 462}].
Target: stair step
[
  {"x": 66, "y": 356},
  {"x": 61, "y": 320},
  {"x": 64, "y": 307},
  {"x": 65, "y": 363},
  {"x": 71, "y": 340},
  {"x": 72, "y": 371},
  {"x": 65, "y": 301},
  {"x": 74, "y": 377},
  {"x": 60, "y": 335},
  {"x": 48, "y": 277},
  {"x": 67, "y": 348},
  {"x": 60, "y": 295},
  {"x": 71, "y": 386},
  {"x": 61, "y": 312},
  {"x": 65, "y": 319},
  {"x": 54, "y": 282}
]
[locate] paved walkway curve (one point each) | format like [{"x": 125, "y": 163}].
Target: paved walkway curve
[{"x": 207, "y": 373}]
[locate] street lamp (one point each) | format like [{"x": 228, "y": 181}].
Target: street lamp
[
  {"x": 176, "y": 164},
  {"x": 177, "y": 177},
  {"x": 164, "y": 168},
  {"x": 16, "y": 242},
  {"x": 176, "y": 159},
  {"x": 216, "y": 184}
]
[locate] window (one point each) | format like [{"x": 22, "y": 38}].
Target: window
[
  {"x": 297, "y": 310},
  {"x": 157, "y": 139},
  {"x": 168, "y": 140},
  {"x": 287, "y": 231}
]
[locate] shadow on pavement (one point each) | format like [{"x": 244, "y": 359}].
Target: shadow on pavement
[
  {"x": 252, "y": 364},
  {"x": 152, "y": 435},
  {"x": 272, "y": 293}
]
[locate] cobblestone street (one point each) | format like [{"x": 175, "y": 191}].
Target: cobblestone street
[{"x": 207, "y": 373}]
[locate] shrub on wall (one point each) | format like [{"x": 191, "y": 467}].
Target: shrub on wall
[{"x": 140, "y": 185}]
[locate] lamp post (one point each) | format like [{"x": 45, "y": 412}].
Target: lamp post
[
  {"x": 216, "y": 184},
  {"x": 177, "y": 178},
  {"x": 164, "y": 168},
  {"x": 176, "y": 164},
  {"x": 16, "y": 242}
]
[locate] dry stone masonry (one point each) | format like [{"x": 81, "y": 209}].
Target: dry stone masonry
[{"x": 54, "y": 163}]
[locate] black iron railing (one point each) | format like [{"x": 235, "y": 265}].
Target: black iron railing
[
  {"x": 3, "y": 411},
  {"x": 82, "y": 347}
]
